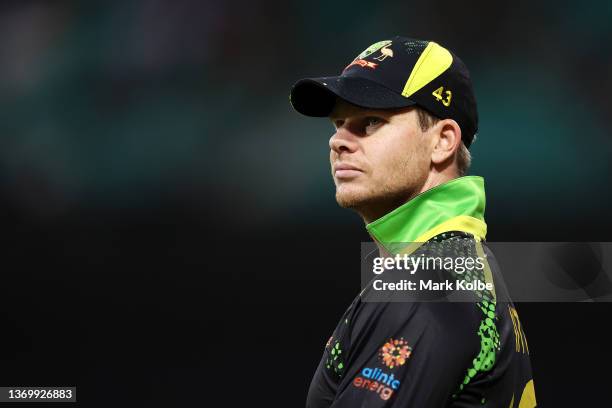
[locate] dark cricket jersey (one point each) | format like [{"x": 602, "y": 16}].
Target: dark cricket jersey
[{"x": 435, "y": 353}]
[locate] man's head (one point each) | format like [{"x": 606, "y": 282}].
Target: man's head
[
  {"x": 404, "y": 113},
  {"x": 382, "y": 158}
]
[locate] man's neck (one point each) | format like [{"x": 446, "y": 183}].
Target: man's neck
[
  {"x": 457, "y": 205},
  {"x": 374, "y": 211}
]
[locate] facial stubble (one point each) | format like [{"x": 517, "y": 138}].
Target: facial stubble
[{"x": 378, "y": 195}]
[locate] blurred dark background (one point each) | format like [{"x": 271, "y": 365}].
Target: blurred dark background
[{"x": 170, "y": 234}]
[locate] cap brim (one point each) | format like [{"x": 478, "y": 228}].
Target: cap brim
[{"x": 317, "y": 96}]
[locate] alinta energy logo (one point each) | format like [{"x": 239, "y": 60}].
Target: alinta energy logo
[{"x": 393, "y": 353}]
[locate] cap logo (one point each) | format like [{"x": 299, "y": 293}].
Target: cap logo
[
  {"x": 434, "y": 60},
  {"x": 384, "y": 53},
  {"x": 361, "y": 63},
  {"x": 373, "y": 48}
]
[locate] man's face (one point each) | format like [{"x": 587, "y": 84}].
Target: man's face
[{"x": 379, "y": 158}]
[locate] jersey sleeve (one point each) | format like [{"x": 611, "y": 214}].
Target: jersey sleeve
[{"x": 408, "y": 354}]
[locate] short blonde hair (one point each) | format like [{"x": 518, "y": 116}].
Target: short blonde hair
[{"x": 464, "y": 158}]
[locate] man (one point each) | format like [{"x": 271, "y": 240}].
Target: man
[{"x": 405, "y": 115}]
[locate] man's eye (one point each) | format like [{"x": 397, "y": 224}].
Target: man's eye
[{"x": 373, "y": 121}]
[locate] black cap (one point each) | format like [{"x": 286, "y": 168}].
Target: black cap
[{"x": 397, "y": 73}]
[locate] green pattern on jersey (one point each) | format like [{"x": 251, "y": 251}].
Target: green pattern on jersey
[
  {"x": 335, "y": 361},
  {"x": 487, "y": 331}
]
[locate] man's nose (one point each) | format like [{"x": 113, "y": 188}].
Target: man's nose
[{"x": 343, "y": 141}]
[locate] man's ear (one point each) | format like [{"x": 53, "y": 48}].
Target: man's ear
[{"x": 447, "y": 140}]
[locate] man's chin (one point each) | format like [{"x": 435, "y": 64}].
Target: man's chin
[
  {"x": 351, "y": 199},
  {"x": 369, "y": 204}
]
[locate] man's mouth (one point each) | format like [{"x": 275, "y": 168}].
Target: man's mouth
[{"x": 346, "y": 171}]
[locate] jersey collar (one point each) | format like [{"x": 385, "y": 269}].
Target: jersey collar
[{"x": 457, "y": 205}]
